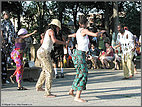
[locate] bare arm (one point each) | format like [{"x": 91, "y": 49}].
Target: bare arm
[
  {"x": 27, "y": 35},
  {"x": 117, "y": 46},
  {"x": 72, "y": 35},
  {"x": 109, "y": 50},
  {"x": 51, "y": 34},
  {"x": 87, "y": 32}
]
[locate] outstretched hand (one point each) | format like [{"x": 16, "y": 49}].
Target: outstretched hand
[{"x": 34, "y": 31}]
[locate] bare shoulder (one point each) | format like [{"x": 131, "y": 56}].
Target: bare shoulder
[
  {"x": 51, "y": 32},
  {"x": 85, "y": 30}
]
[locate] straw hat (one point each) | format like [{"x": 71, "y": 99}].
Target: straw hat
[
  {"x": 22, "y": 31},
  {"x": 56, "y": 22}
]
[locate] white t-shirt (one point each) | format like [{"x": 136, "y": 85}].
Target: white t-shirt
[
  {"x": 126, "y": 40},
  {"x": 82, "y": 41}
]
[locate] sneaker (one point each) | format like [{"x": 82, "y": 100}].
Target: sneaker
[
  {"x": 56, "y": 76},
  {"x": 62, "y": 75}
]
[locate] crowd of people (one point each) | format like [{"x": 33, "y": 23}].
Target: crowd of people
[{"x": 54, "y": 49}]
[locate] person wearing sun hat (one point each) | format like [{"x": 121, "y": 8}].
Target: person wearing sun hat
[
  {"x": 17, "y": 56},
  {"x": 43, "y": 54}
]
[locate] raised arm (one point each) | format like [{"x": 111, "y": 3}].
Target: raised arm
[
  {"x": 72, "y": 35},
  {"x": 87, "y": 32},
  {"x": 27, "y": 35}
]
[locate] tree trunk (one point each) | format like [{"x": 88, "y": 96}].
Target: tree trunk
[
  {"x": 106, "y": 16},
  {"x": 75, "y": 15},
  {"x": 60, "y": 10},
  {"x": 115, "y": 17}
]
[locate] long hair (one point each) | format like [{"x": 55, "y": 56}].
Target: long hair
[
  {"x": 53, "y": 27},
  {"x": 83, "y": 20}
]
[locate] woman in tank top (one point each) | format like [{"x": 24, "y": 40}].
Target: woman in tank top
[
  {"x": 78, "y": 58},
  {"x": 17, "y": 56},
  {"x": 43, "y": 55}
]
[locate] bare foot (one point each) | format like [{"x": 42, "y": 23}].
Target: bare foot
[
  {"x": 79, "y": 100},
  {"x": 50, "y": 96},
  {"x": 40, "y": 89},
  {"x": 71, "y": 93},
  {"x": 11, "y": 79}
]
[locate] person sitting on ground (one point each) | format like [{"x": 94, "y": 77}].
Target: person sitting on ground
[
  {"x": 93, "y": 56},
  {"x": 107, "y": 56}
]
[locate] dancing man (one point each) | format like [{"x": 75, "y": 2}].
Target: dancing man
[{"x": 125, "y": 40}]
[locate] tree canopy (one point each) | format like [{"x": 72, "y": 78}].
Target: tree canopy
[{"x": 38, "y": 14}]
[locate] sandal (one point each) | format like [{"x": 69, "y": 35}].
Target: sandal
[
  {"x": 18, "y": 88},
  {"x": 21, "y": 88}
]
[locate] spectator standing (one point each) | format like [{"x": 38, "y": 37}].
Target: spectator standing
[
  {"x": 8, "y": 33},
  {"x": 57, "y": 56}
]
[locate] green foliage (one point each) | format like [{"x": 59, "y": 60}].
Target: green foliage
[
  {"x": 38, "y": 14},
  {"x": 132, "y": 17}
]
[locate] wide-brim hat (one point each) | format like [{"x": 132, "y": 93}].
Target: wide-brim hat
[
  {"x": 22, "y": 31},
  {"x": 56, "y": 22}
]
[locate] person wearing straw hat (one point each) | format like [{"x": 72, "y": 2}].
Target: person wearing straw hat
[
  {"x": 17, "y": 56},
  {"x": 43, "y": 55}
]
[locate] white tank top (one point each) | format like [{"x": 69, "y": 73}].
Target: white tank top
[
  {"x": 47, "y": 42},
  {"x": 82, "y": 41}
]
